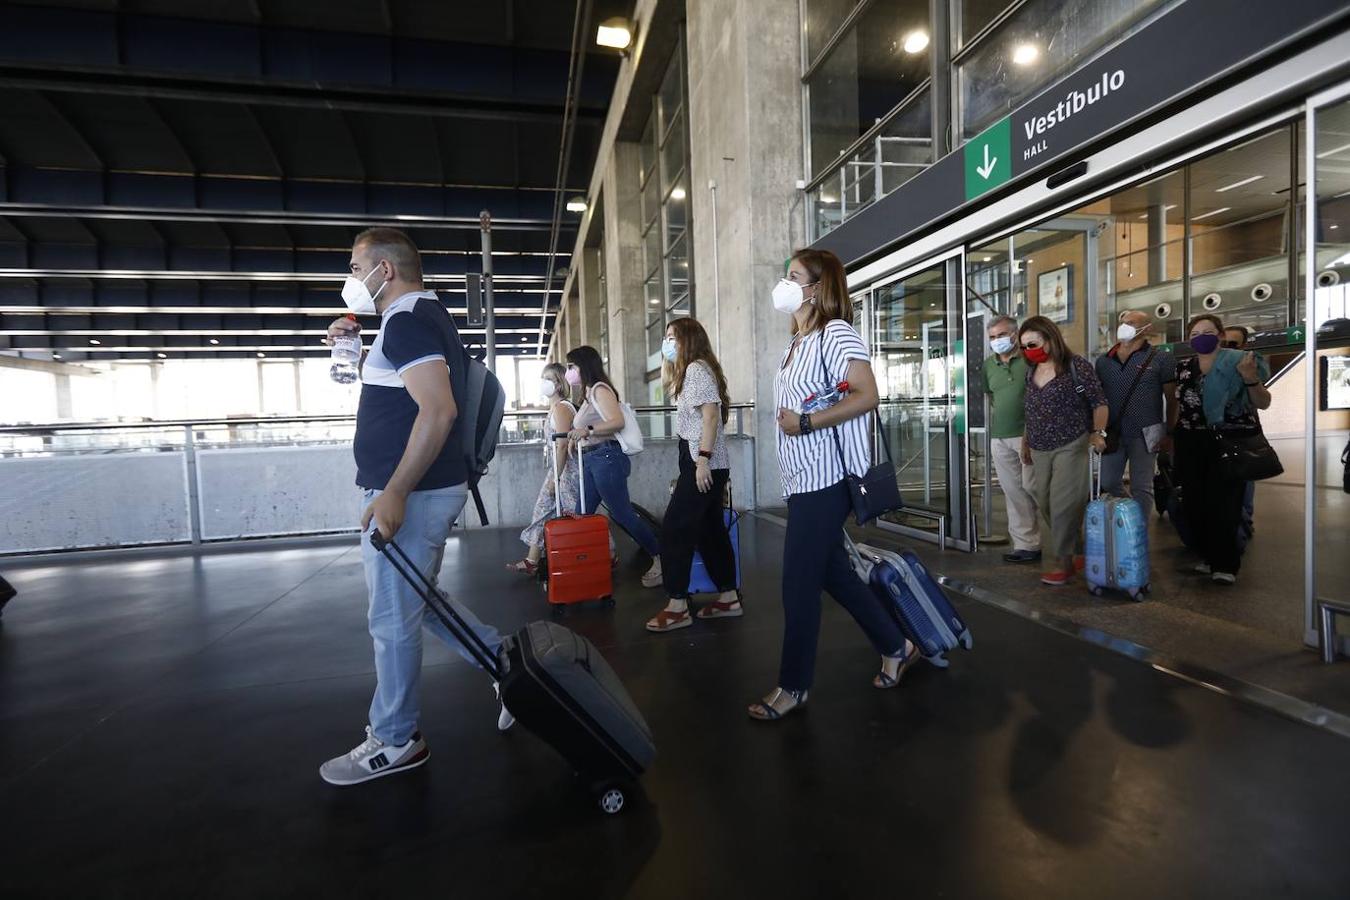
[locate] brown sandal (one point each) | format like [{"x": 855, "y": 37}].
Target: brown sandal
[
  {"x": 666, "y": 620},
  {"x": 719, "y": 610}
]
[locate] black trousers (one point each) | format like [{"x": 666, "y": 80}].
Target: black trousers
[
  {"x": 1211, "y": 503},
  {"x": 815, "y": 560},
  {"x": 694, "y": 522}
]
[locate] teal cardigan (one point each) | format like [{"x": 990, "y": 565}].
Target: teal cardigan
[{"x": 1224, "y": 390}]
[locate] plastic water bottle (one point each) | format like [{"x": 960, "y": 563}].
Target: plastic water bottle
[
  {"x": 346, "y": 356},
  {"x": 826, "y": 398}
]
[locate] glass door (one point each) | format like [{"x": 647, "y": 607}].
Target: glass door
[
  {"x": 916, "y": 333},
  {"x": 1325, "y": 335}
]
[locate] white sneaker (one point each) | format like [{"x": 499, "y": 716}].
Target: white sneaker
[
  {"x": 504, "y": 718},
  {"x": 653, "y": 576},
  {"x": 1223, "y": 578},
  {"x": 1202, "y": 569},
  {"x": 373, "y": 758}
]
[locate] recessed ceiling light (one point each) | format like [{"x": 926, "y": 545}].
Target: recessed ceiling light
[
  {"x": 214, "y": 341},
  {"x": 1238, "y": 184},
  {"x": 656, "y": 302},
  {"x": 677, "y": 194},
  {"x": 1026, "y": 54},
  {"x": 576, "y": 205},
  {"x": 261, "y": 355},
  {"x": 162, "y": 355},
  {"x": 1333, "y": 227},
  {"x": 1212, "y": 212},
  {"x": 985, "y": 258},
  {"x": 916, "y": 41},
  {"x": 56, "y": 356},
  {"x": 95, "y": 341}
]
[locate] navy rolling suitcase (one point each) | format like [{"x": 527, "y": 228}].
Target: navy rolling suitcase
[
  {"x": 558, "y": 686},
  {"x": 699, "y": 580},
  {"x": 902, "y": 583}
]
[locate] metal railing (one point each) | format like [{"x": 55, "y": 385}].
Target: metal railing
[{"x": 106, "y": 484}]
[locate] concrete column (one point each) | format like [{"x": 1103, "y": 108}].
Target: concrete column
[
  {"x": 745, "y": 134},
  {"x": 64, "y": 406},
  {"x": 592, "y": 296},
  {"x": 623, "y": 272}
]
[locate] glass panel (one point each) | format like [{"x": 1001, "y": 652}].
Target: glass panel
[
  {"x": 651, "y": 201},
  {"x": 672, "y": 156},
  {"x": 1239, "y": 233},
  {"x": 682, "y": 307},
  {"x": 1331, "y": 301},
  {"x": 677, "y": 268},
  {"x": 975, "y": 14},
  {"x": 670, "y": 99},
  {"x": 898, "y": 152},
  {"x": 677, "y": 209},
  {"x": 647, "y": 147},
  {"x": 912, "y": 331},
  {"x": 1053, "y": 264},
  {"x": 879, "y": 62},
  {"x": 651, "y": 243},
  {"x": 656, "y": 332},
  {"x": 1042, "y": 40},
  {"x": 656, "y": 298},
  {"x": 1141, "y": 256},
  {"x": 823, "y": 18}
]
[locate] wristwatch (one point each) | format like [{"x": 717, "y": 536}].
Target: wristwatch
[
  {"x": 804, "y": 423},
  {"x": 705, "y": 454}
]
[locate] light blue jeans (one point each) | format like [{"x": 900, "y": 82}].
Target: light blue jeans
[
  {"x": 1143, "y": 465},
  {"x": 398, "y": 615}
]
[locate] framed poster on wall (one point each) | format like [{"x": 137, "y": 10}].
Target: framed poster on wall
[
  {"x": 1054, "y": 294},
  {"x": 1335, "y": 382}
]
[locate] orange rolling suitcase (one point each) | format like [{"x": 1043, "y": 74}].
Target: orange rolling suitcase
[{"x": 576, "y": 551}]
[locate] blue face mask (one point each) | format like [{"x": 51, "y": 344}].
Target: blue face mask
[{"x": 668, "y": 349}]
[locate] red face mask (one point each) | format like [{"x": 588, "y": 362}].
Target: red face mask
[{"x": 1035, "y": 355}]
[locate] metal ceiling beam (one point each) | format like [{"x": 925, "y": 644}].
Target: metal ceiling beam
[
  {"x": 247, "y": 277},
  {"x": 269, "y": 217},
  {"x": 64, "y": 309}
]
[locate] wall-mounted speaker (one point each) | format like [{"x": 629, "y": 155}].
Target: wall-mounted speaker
[
  {"x": 1262, "y": 292},
  {"x": 1212, "y": 301},
  {"x": 1163, "y": 311},
  {"x": 1328, "y": 278}
]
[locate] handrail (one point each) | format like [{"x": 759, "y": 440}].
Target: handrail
[{"x": 155, "y": 424}]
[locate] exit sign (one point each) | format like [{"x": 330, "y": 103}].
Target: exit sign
[{"x": 989, "y": 158}]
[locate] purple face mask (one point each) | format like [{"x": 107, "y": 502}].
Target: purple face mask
[{"x": 1205, "y": 344}]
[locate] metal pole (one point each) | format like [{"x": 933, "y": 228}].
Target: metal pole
[
  {"x": 1310, "y": 383},
  {"x": 490, "y": 317},
  {"x": 717, "y": 294},
  {"x": 927, "y": 437},
  {"x": 194, "y": 500}
]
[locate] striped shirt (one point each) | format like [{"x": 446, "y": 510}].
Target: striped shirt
[{"x": 810, "y": 462}]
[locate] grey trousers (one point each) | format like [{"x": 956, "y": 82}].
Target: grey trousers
[{"x": 1060, "y": 485}]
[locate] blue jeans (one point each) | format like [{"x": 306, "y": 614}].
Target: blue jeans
[
  {"x": 815, "y": 560},
  {"x": 607, "y": 470},
  {"x": 398, "y": 615},
  {"x": 1143, "y": 465}
]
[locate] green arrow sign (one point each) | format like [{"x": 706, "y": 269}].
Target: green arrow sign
[
  {"x": 1294, "y": 334},
  {"x": 989, "y": 158}
]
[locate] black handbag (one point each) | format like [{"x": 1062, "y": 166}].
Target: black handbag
[
  {"x": 1246, "y": 455},
  {"x": 877, "y": 491}
]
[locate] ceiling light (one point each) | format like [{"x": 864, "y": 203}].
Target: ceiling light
[
  {"x": 576, "y": 205},
  {"x": 162, "y": 355},
  {"x": 655, "y": 302},
  {"x": 677, "y": 194},
  {"x": 1212, "y": 212},
  {"x": 1144, "y": 216},
  {"x": 1333, "y": 151},
  {"x": 1026, "y": 54},
  {"x": 985, "y": 258},
  {"x": 56, "y": 356},
  {"x": 1333, "y": 227},
  {"x": 214, "y": 341},
  {"x": 261, "y": 355},
  {"x": 1238, "y": 184},
  {"x": 916, "y": 41},
  {"x": 95, "y": 341},
  {"x": 615, "y": 33}
]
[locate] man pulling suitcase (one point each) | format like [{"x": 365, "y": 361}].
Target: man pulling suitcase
[{"x": 413, "y": 473}]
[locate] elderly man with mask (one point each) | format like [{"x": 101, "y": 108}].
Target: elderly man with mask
[
  {"x": 1005, "y": 381},
  {"x": 1140, "y": 381}
]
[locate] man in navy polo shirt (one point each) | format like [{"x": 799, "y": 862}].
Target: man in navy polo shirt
[
  {"x": 412, "y": 473},
  {"x": 1140, "y": 410}
]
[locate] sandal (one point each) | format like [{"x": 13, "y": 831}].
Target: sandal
[
  {"x": 720, "y": 610},
  {"x": 524, "y": 566},
  {"x": 666, "y": 620},
  {"x": 884, "y": 682},
  {"x": 765, "y": 710}
]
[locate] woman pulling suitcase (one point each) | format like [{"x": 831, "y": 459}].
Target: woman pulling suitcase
[
  {"x": 556, "y": 460},
  {"x": 694, "y": 519},
  {"x": 825, "y": 350},
  {"x": 607, "y": 468}
]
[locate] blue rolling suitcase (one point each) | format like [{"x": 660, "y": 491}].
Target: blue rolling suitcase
[
  {"x": 699, "y": 581},
  {"x": 1116, "y": 543},
  {"x": 902, "y": 583}
]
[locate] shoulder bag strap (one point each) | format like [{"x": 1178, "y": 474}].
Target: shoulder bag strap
[
  {"x": 1138, "y": 376},
  {"x": 834, "y": 429}
]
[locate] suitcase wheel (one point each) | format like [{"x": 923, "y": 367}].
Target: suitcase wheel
[
  {"x": 608, "y": 602},
  {"x": 611, "y": 799},
  {"x": 1096, "y": 591}
]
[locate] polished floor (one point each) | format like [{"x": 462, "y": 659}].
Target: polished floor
[{"x": 162, "y": 720}]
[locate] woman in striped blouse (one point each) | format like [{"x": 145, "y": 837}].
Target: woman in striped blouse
[{"x": 825, "y": 350}]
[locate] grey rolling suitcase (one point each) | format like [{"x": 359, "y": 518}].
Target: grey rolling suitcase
[{"x": 558, "y": 686}]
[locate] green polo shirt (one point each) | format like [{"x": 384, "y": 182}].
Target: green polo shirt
[{"x": 1006, "y": 386}]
